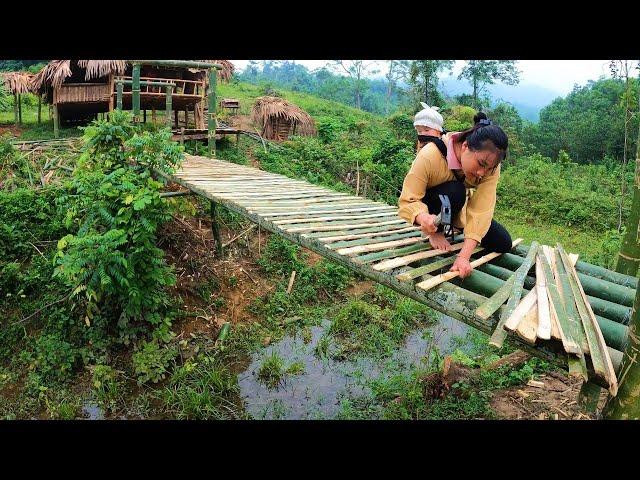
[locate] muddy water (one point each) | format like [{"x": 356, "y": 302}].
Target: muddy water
[{"x": 317, "y": 392}]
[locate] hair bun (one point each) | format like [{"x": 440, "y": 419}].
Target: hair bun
[{"x": 479, "y": 116}]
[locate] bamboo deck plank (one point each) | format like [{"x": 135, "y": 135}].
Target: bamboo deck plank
[
  {"x": 432, "y": 282},
  {"x": 332, "y": 218},
  {"x": 364, "y": 241},
  {"x": 328, "y": 228},
  {"x": 406, "y": 260},
  {"x": 330, "y": 240},
  {"x": 431, "y": 267},
  {"x": 396, "y": 252},
  {"x": 375, "y": 246},
  {"x": 500, "y": 334}
]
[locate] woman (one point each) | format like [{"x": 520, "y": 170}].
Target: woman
[
  {"x": 428, "y": 124},
  {"x": 472, "y": 162}
]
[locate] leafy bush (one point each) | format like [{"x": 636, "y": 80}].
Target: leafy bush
[
  {"x": 151, "y": 361},
  {"x": 115, "y": 205},
  {"x": 52, "y": 358}
]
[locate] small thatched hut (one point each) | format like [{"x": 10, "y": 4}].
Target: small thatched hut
[
  {"x": 278, "y": 119},
  {"x": 17, "y": 83}
]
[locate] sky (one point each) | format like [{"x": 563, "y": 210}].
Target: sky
[{"x": 556, "y": 75}]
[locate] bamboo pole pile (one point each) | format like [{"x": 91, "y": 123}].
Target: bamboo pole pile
[{"x": 556, "y": 309}]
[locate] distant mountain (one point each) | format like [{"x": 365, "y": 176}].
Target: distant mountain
[{"x": 527, "y": 98}]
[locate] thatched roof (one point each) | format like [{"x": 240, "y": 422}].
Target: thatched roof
[
  {"x": 17, "y": 82},
  {"x": 226, "y": 73},
  {"x": 102, "y": 68},
  {"x": 266, "y": 109},
  {"x": 57, "y": 71}
]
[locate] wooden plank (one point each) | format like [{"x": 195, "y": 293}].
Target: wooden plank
[
  {"x": 610, "y": 373},
  {"x": 374, "y": 247},
  {"x": 401, "y": 261},
  {"x": 499, "y": 334},
  {"x": 432, "y": 267},
  {"x": 437, "y": 280}
]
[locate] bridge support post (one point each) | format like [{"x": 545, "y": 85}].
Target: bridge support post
[
  {"x": 135, "y": 93},
  {"x": 216, "y": 230},
  {"x": 626, "y": 405},
  {"x": 119, "y": 87},
  {"x": 211, "y": 123},
  {"x": 589, "y": 396},
  {"x": 169, "y": 92},
  {"x": 56, "y": 121},
  {"x": 629, "y": 255}
]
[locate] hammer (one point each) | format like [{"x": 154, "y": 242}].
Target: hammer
[{"x": 444, "y": 217}]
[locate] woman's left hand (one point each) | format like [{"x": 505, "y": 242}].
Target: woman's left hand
[{"x": 463, "y": 266}]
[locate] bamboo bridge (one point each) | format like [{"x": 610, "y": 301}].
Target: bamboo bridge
[{"x": 370, "y": 238}]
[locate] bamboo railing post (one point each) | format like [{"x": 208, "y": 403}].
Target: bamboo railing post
[
  {"x": 39, "y": 109},
  {"x": 626, "y": 405},
  {"x": 20, "y": 108},
  {"x": 211, "y": 123},
  {"x": 135, "y": 93},
  {"x": 15, "y": 107},
  {"x": 629, "y": 255},
  {"x": 169, "y": 92},
  {"x": 216, "y": 230},
  {"x": 119, "y": 89},
  {"x": 56, "y": 121}
]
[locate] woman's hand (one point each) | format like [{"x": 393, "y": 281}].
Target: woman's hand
[
  {"x": 426, "y": 223},
  {"x": 463, "y": 266},
  {"x": 439, "y": 242}
]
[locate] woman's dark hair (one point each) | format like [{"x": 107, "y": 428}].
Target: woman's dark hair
[{"x": 485, "y": 135}]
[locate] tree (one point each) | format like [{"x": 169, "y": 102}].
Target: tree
[
  {"x": 397, "y": 70},
  {"x": 487, "y": 72},
  {"x": 620, "y": 69},
  {"x": 356, "y": 70},
  {"x": 423, "y": 77}
]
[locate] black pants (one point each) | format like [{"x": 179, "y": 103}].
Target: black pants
[{"x": 497, "y": 239}]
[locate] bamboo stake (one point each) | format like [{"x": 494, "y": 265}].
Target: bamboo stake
[
  {"x": 557, "y": 308},
  {"x": 573, "y": 316},
  {"x": 596, "y": 356},
  {"x": 437, "y": 280},
  {"x": 610, "y": 373},
  {"x": 528, "y": 327},
  {"x": 499, "y": 334},
  {"x": 523, "y": 308}
]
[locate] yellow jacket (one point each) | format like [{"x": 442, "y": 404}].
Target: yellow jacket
[{"x": 429, "y": 169}]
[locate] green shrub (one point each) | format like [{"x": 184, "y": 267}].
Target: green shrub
[
  {"x": 115, "y": 205},
  {"x": 151, "y": 361}
]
